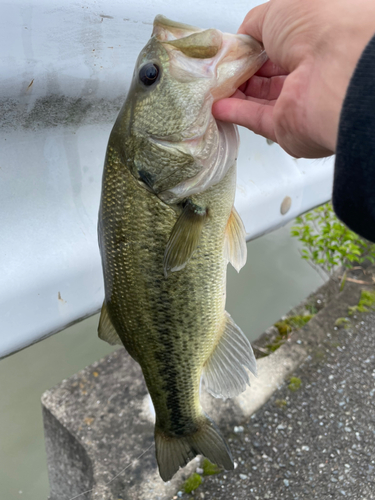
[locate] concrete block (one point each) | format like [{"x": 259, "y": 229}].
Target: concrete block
[
  {"x": 99, "y": 421},
  {"x": 99, "y": 424},
  {"x": 96, "y": 424}
]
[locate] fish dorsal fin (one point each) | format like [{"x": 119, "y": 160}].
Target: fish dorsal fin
[
  {"x": 224, "y": 374},
  {"x": 184, "y": 237},
  {"x": 106, "y": 330},
  {"x": 235, "y": 241}
]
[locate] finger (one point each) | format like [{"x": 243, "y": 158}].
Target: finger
[
  {"x": 242, "y": 87},
  {"x": 271, "y": 69},
  {"x": 253, "y": 23},
  {"x": 265, "y": 102},
  {"x": 240, "y": 95},
  {"x": 252, "y": 115},
  {"x": 264, "y": 88}
]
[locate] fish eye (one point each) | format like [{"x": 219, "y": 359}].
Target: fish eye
[{"x": 148, "y": 74}]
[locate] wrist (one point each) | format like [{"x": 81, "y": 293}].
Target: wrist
[
  {"x": 339, "y": 56},
  {"x": 329, "y": 87}
]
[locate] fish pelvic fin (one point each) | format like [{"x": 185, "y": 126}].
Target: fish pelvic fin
[
  {"x": 184, "y": 237},
  {"x": 106, "y": 330},
  {"x": 225, "y": 372},
  {"x": 175, "y": 452},
  {"x": 235, "y": 241}
]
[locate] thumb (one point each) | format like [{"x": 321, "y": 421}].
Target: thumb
[{"x": 253, "y": 23}]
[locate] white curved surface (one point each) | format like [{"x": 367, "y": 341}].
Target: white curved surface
[{"x": 64, "y": 71}]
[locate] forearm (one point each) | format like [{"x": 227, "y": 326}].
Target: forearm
[
  {"x": 338, "y": 50},
  {"x": 354, "y": 182}
]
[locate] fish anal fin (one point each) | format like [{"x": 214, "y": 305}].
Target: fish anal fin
[
  {"x": 235, "y": 241},
  {"x": 184, "y": 237},
  {"x": 175, "y": 452},
  {"x": 106, "y": 330},
  {"x": 225, "y": 373}
]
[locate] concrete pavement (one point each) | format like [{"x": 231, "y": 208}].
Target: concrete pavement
[{"x": 316, "y": 442}]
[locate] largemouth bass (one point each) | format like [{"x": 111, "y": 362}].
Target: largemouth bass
[{"x": 167, "y": 229}]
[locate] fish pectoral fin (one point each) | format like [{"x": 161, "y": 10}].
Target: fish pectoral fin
[
  {"x": 235, "y": 241},
  {"x": 184, "y": 237},
  {"x": 224, "y": 374},
  {"x": 175, "y": 452},
  {"x": 106, "y": 330}
]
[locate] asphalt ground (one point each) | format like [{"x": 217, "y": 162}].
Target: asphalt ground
[
  {"x": 317, "y": 442},
  {"x": 305, "y": 429}
]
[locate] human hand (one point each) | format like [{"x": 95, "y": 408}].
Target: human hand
[{"x": 296, "y": 97}]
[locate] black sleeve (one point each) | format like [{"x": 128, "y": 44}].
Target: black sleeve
[{"x": 354, "y": 179}]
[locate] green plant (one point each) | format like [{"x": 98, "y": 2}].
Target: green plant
[
  {"x": 327, "y": 243},
  {"x": 290, "y": 323},
  {"x": 195, "y": 480},
  {"x": 285, "y": 326},
  {"x": 294, "y": 384},
  {"x": 209, "y": 469},
  {"x": 342, "y": 322},
  {"x": 365, "y": 304},
  {"x": 192, "y": 483},
  {"x": 281, "y": 403}
]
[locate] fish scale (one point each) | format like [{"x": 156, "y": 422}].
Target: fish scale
[
  {"x": 165, "y": 243},
  {"x": 189, "y": 304}
]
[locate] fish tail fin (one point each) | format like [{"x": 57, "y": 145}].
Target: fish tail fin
[{"x": 175, "y": 452}]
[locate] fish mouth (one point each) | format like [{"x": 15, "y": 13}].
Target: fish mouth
[
  {"x": 239, "y": 58},
  {"x": 226, "y": 60},
  {"x": 166, "y": 29}
]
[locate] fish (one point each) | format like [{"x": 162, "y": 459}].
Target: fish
[{"x": 168, "y": 228}]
